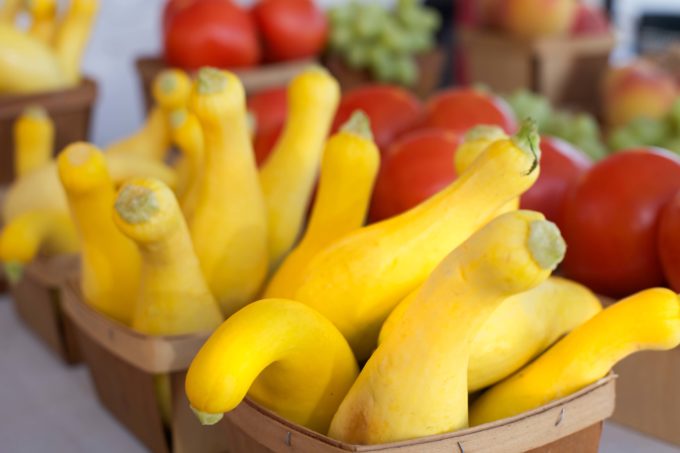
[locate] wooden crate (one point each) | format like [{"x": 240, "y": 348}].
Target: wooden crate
[
  {"x": 567, "y": 70},
  {"x": 38, "y": 297},
  {"x": 71, "y": 111},
  {"x": 430, "y": 66},
  {"x": 572, "y": 424},
  {"x": 648, "y": 398},
  {"x": 123, "y": 364},
  {"x": 254, "y": 80},
  {"x": 3, "y": 278}
]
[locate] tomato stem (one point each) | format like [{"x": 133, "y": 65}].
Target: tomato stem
[
  {"x": 358, "y": 124},
  {"x": 528, "y": 140}
]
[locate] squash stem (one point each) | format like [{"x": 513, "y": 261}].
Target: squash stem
[
  {"x": 546, "y": 244},
  {"x": 14, "y": 271},
  {"x": 211, "y": 81},
  {"x": 528, "y": 140},
  {"x": 206, "y": 418},
  {"x": 358, "y": 124},
  {"x": 136, "y": 204}
]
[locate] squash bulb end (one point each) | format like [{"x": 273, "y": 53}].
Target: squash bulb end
[
  {"x": 206, "y": 418},
  {"x": 210, "y": 81},
  {"x": 14, "y": 271},
  {"x": 358, "y": 124},
  {"x": 546, "y": 244},
  {"x": 136, "y": 204}
]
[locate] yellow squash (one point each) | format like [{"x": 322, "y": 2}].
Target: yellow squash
[
  {"x": 283, "y": 354},
  {"x": 72, "y": 35},
  {"x": 33, "y": 140},
  {"x": 188, "y": 136},
  {"x": 348, "y": 170},
  {"x": 229, "y": 223},
  {"x": 415, "y": 383},
  {"x": 9, "y": 10},
  {"x": 43, "y": 19},
  {"x": 520, "y": 329},
  {"x": 288, "y": 175},
  {"x": 110, "y": 261},
  {"x": 357, "y": 281},
  {"x": 174, "y": 298},
  {"x": 40, "y": 190},
  {"x": 647, "y": 320},
  {"x": 47, "y": 232}
]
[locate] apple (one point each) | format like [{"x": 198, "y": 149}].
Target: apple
[
  {"x": 531, "y": 19},
  {"x": 589, "y": 20},
  {"x": 638, "y": 89}
]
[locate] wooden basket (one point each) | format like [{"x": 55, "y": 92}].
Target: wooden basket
[
  {"x": 430, "y": 66},
  {"x": 123, "y": 363},
  {"x": 38, "y": 297},
  {"x": 3, "y": 278},
  {"x": 572, "y": 424},
  {"x": 648, "y": 398},
  {"x": 568, "y": 70},
  {"x": 254, "y": 80},
  {"x": 70, "y": 110}
]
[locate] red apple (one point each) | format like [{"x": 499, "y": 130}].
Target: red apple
[
  {"x": 531, "y": 19},
  {"x": 589, "y": 20}
]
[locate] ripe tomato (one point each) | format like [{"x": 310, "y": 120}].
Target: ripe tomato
[
  {"x": 270, "y": 108},
  {"x": 265, "y": 140},
  {"x": 391, "y": 109},
  {"x": 459, "y": 109},
  {"x": 172, "y": 7},
  {"x": 669, "y": 242},
  {"x": 211, "y": 33},
  {"x": 610, "y": 221},
  {"x": 561, "y": 166},
  {"x": 414, "y": 168},
  {"x": 291, "y": 29}
]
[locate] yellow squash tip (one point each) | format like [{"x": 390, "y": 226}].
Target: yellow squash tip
[
  {"x": 359, "y": 124},
  {"x": 136, "y": 203},
  {"x": 210, "y": 81},
  {"x": 177, "y": 118},
  {"x": 546, "y": 244},
  {"x": 35, "y": 112},
  {"x": 206, "y": 418},
  {"x": 14, "y": 271},
  {"x": 79, "y": 154}
]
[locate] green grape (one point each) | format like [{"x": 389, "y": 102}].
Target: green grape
[
  {"x": 406, "y": 5},
  {"x": 406, "y": 71},
  {"x": 648, "y": 130},
  {"x": 593, "y": 147},
  {"x": 674, "y": 117},
  {"x": 391, "y": 38},
  {"x": 358, "y": 56},
  {"x": 524, "y": 103},
  {"x": 431, "y": 19},
  {"x": 422, "y": 43},
  {"x": 585, "y": 126},
  {"x": 623, "y": 138},
  {"x": 339, "y": 16},
  {"x": 341, "y": 39},
  {"x": 370, "y": 21},
  {"x": 672, "y": 144}
]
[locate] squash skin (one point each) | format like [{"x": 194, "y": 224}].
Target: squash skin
[
  {"x": 72, "y": 35},
  {"x": 340, "y": 281},
  {"x": 348, "y": 171},
  {"x": 43, "y": 19},
  {"x": 524, "y": 326},
  {"x": 287, "y": 176},
  {"x": 426, "y": 353},
  {"x": 229, "y": 223},
  {"x": 286, "y": 356},
  {"x": 174, "y": 298},
  {"x": 188, "y": 136},
  {"x": 110, "y": 261},
  {"x": 33, "y": 135},
  {"x": 649, "y": 319}
]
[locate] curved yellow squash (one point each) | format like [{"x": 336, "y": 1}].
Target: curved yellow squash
[
  {"x": 33, "y": 140},
  {"x": 229, "y": 223},
  {"x": 348, "y": 171},
  {"x": 649, "y": 319},
  {"x": 173, "y": 298},
  {"x": 72, "y": 36},
  {"x": 188, "y": 136},
  {"x": 357, "y": 281},
  {"x": 415, "y": 383},
  {"x": 283, "y": 354},
  {"x": 110, "y": 261},
  {"x": 288, "y": 175}
]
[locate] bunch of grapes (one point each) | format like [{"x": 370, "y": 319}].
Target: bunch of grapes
[
  {"x": 369, "y": 36},
  {"x": 642, "y": 131},
  {"x": 580, "y": 129}
]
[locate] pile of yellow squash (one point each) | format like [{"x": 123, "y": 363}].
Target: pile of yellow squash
[
  {"x": 47, "y": 55},
  {"x": 369, "y": 334}
]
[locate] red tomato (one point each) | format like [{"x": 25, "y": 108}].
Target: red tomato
[
  {"x": 291, "y": 29},
  {"x": 669, "y": 242},
  {"x": 215, "y": 33},
  {"x": 561, "y": 166},
  {"x": 391, "y": 109},
  {"x": 265, "y": 141},
  {"x": 270, "y": 108},
  {"x": 413, "y": 169},
  {"x": 172, "y": 7},
  {"x": 459, "y": 109},
  {"x": 610, "y": 221}
]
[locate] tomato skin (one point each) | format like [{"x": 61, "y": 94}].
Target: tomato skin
[
  {"x": 610, "y": 221},
  {"x": 459, "y": 109},
  {"x": 669, "y": 242},
  {"x": 291, "y": 29},
  {"x": 391, "y": 109},
  {"x": 561, "y": 165},
  {"x": 215, "y": 33},
  {"x": 264, "y": 143},
  {"x": 414, "y": 168},
  {"x": 172, "y": 7},
  {"x": 270, "y": 107}
]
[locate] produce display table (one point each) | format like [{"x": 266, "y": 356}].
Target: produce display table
[{"x": 46, "y": 406}]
